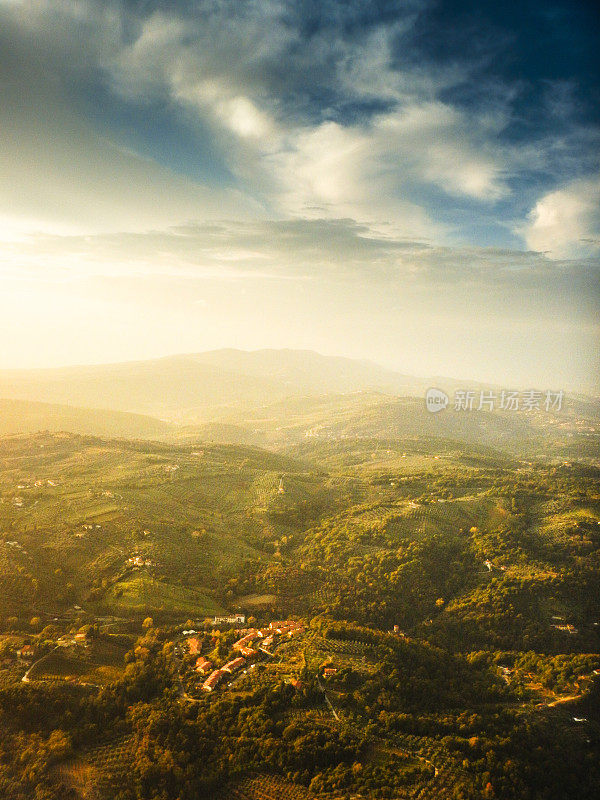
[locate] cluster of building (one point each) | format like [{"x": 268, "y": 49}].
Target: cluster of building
[
  {"x": 265, "y": 637},
  {"x": 37, "y": 484},
  {"x": 234, "y": 619},
  {"x": 80, "y": 639},
  {"x": 26, "y": 652},
  {"x": 139, "y": 561},
  {"x": 247, "y": 648},
  {"x": 561, "y": 625},
  {"x": 566, "y": 628},
  {"x": 290, "y": 626},
  {"x": 217, "y": 675}
]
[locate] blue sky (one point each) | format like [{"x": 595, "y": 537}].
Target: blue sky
[{"x": 399, "y": 156}]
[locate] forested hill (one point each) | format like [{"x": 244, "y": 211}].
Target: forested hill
[
  {"x": 421, "y": 620},
  {"x": 22, "y": 416}
]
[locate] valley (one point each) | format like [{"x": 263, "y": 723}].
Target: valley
[{"x": 337, "y": 596}]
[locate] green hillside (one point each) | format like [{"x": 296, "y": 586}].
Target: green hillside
[
  {"x": 277, "y": 399},
  {"x": 443, "y": 599},
  {"x": 80, "y": 508},
  {"x": 307, "y": 424},
  {"x": 22, "y": 416}
]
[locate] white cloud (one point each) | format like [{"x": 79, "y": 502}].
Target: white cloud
[
  {"x": 341, "y": 134},
  {"x": 257, "y": 90},
  {"x": 363, "y": 171},
  {"x": 566, "y": 223},
  {"x": 484, "y": 313},
  {"x": 334, "y": 251},
  {"x": 222, "y": 71},
  {"x": 445, "y": 147}
]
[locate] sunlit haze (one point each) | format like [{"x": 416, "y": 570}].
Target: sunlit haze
[{"x": 371, "y": 180}]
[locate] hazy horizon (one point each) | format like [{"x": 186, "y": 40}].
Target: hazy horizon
[
  {"x": 413, "y": 185},
  {"x": 418, "y": 375}
]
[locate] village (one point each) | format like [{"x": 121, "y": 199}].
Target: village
[{"x": 251, "y": 646}]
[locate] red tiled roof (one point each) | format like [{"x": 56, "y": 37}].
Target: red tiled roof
[
  {"x": 244, "y": 641},
  {"x": 235, "y": 663},
  {"x": 194, "y": 645},
  {"x": 212, "y": 680}
]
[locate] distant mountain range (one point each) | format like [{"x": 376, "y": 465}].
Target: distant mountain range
[
  {"x": 192, "y": 388},
  {"x": 26, "y": 416},
  {"x": 269, "y": 398}
]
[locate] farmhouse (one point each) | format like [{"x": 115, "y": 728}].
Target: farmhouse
[
  {"x": 194, "y": 646},
  {"x": 203, "y": 665},
  {"x": 235, "y": 619},
  {"x": 26, "y": 651},
  {"x": 139, "y": 561},
  {"x": 234, "y": 665},
  {"x": 566, "y": 628},
  {"x": 212, "y": 681}
]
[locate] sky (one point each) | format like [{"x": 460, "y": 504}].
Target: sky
[{"x": 415, "y": 182}]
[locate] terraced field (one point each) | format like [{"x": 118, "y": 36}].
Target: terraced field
[
  {"x": 266, "y": 787},
  {"x": 81, "y": 508},
  {"x": 141, "y": 593},
  {"x": 100, "y": 663}
]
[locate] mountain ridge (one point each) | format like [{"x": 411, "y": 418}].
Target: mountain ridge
[{"x": 191, "y": 386}]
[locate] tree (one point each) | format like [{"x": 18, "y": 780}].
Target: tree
[{"x": 59, "y": 745}]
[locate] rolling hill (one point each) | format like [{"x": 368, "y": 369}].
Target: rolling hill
[
  {"x": 305, "y": 425},
  {"x": 173, "y": 388},
  {"x": 80, "y": 508},
  {"x": 273, "y": 399},
  {"x": 24, "y": 416},
  {"x": 197, "y": 387},
  {"x": 485, "y": 567}
]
